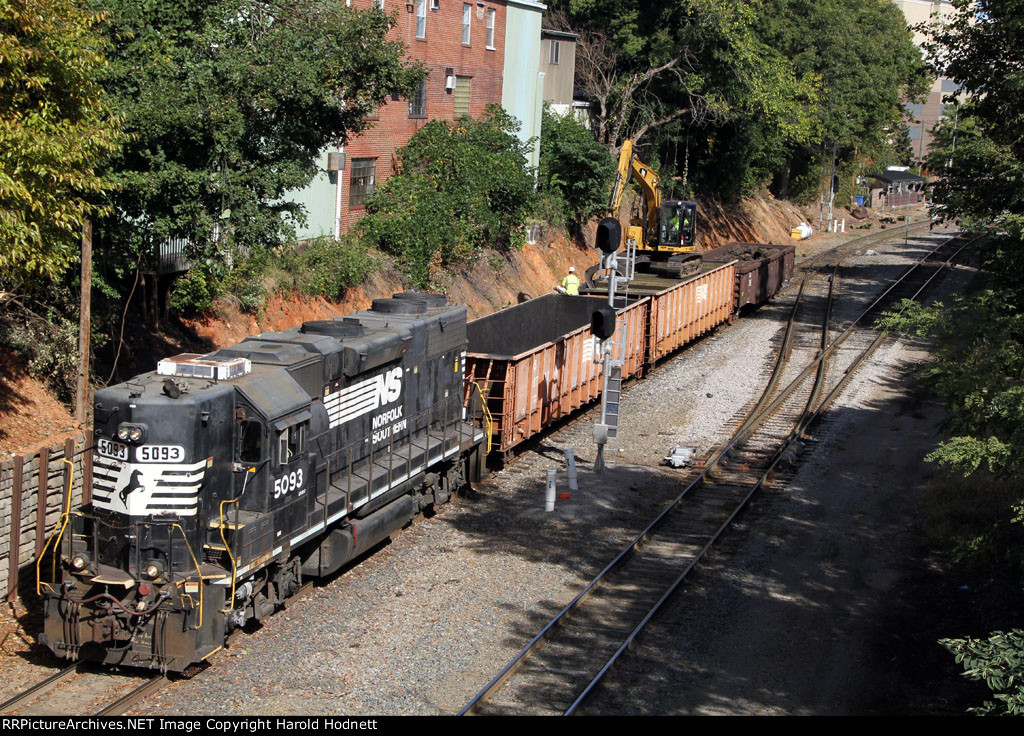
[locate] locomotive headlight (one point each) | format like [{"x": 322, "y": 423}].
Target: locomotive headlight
[
  {"x": 154, "y": 570},
  {"x": 132, "y": 433},
  {"x": 80, "y": 562}
]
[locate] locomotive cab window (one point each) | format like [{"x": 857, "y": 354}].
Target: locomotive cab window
[
  {"x": 250, "y": 441},
  {"x": 291, "y": 443}
]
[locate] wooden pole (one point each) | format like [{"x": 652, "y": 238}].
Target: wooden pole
[
  {"x": 84, "y": 322},
  {"x": 15, "y": 549},
  {"x": 856, "y": 171},
  {"x": 42, "y": 490}
]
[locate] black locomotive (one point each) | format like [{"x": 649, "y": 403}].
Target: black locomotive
[{"x": 221, "y": 481}]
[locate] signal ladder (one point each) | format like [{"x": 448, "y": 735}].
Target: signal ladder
[{"x": 613, "y": 386}]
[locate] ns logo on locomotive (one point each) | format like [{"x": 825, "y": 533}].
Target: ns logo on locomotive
[{"x": 222, "y": 481}]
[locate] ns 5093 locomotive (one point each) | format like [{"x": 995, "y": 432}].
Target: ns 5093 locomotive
[{"x": 221, "y": 481}]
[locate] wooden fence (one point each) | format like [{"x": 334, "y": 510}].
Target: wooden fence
[{"x": 32, "y": 496}]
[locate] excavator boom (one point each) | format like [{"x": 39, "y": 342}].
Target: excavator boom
[{"x": 631, "y": 167}]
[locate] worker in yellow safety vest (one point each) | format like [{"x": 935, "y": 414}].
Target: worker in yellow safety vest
[{"x": 571, "y": 283}]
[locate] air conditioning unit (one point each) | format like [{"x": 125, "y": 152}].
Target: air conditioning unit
[
  {"x": 335, "y": 161},
  {"x": 449, "y": 83}
]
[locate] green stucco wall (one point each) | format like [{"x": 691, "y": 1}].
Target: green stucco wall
[
  {"x": 521, "y": 91},
  {"x": 318, "y": 200}
]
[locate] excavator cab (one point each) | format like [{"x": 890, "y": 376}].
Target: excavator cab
[{"x": 676, "y": 225}]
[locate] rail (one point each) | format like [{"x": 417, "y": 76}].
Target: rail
[{"x": 811, "y": 411}]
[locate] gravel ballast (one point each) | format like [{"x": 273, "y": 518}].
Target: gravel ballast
[{"x": 419, "y": 626}]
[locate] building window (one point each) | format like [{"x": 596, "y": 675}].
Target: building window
[
  {"x": 418, "y": 101},
  {"x": 462, "y": 87},
  {"x": 467, "y": 14},
  {"x": 364, "y": 171},
  {"x": 379, "y": 4},
  {"x": 553, "y": 54},
  {"x": 490, "y": 28},
  {"x": 421, "y": 18}
]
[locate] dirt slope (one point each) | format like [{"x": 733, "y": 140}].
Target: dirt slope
[{"x": 30, "y": 418}]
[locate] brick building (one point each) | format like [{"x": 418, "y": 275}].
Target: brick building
[{"x": 477, "y": 53}]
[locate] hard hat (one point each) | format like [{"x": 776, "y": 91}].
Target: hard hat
[{"x": 572, "y": 269}]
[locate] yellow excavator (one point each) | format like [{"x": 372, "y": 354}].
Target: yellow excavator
[{"x": 665, "y": 235}]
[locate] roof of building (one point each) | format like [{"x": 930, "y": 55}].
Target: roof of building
[
  {"x": 548, "y": 33},
  {"x": 891, "y": 176},
  {"x": 528, "y": 4}
]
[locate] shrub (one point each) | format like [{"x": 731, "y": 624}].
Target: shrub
[
  {"x": 47, "y": 340},
  {"x": 196, "y": 290},
  {"x": 998, "y": 661},
  {"x": 462, "y": 186},
  {"x": 326, "y": 267},
  {"x": 575, "y": 167}
]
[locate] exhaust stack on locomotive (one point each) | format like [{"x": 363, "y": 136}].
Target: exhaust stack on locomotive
[{"x": 222, "y": 481}]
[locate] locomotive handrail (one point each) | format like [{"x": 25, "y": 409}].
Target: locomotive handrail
[
  {"x": 429, "y": 413},
  {"x": 199, "y": 574},
  {"x": 231, "y": 555},
  {"x": 63, "y": 523},
  {"x": 488, "y": 420}
]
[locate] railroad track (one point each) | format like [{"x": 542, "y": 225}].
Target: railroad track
[
  {"x": 86, "y": 685},
  {"x": 79, "y": 687},
  {"x": 564, "y": 665}
]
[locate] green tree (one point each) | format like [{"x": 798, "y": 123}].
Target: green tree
[
  {"x": 979, "y": 146},
  {"x": 574, "y": 167},
  {"x": 645, "y": 65},
  {"x": 978, "y": 371},
  {"x": 862, "y": 53},
  {"x": 980, "y": 176},
  {"x": 979, "y": 153},
  {"x": 462, "y": 186},
  {"x": 56, "y": 127},
  {"x": 229, "y": 104},
  {"x": 980, "y": 47}
]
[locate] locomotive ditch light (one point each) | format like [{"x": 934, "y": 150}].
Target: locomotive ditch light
[
  {"x": 154, "y": 570},
  {"x": 80, "y": 562}
]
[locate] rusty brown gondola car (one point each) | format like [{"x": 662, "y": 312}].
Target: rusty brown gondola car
[{"x": 534, "y": 362}]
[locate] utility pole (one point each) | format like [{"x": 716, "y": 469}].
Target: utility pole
[
  {"x": 832, "y": 184},
  {"x": 821, "y": 182},
  {"x": 956, "y": 120},
  {"x": 84, "y": 324}
]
